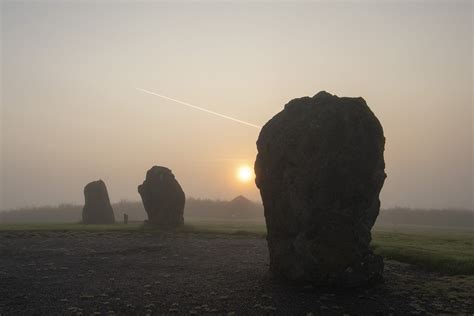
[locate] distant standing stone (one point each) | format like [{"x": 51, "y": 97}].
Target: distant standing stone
[
  {"x": 163, "y": 198},
  {"x": 125, "y": 218},
  {"x": 320, "y": 170},
  {"x": 97, "y": 208}
]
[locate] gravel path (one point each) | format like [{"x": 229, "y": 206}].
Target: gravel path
[{"x": 82, "y": 273}]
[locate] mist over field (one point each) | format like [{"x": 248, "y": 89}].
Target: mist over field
[
  {"x": 239, "y": 210},
  {"x": 71, "y": 112}
]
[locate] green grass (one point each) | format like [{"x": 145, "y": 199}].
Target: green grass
[
  {"x": 234, "y": 228},
  {"x": 451, "y": 253},
  {"x": 66, "y": 227},
  {"x": 436, "y": 249}
]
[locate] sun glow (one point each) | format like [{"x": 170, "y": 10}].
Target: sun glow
[{"x": 245, "y": 173}]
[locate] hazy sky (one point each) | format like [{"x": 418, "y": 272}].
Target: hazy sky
[{"x": 71, "y": 113}]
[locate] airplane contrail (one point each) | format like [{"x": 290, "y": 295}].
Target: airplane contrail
[{"x": 199, "y": 108}]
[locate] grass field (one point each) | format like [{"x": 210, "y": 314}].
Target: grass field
[{"x": 437, "y": 249}]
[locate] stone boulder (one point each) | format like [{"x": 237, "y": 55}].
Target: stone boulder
[
  {"x": 163, "y": 198},
  {"x": 320, "y": 170},
  {"x": 97, "y": 208}
]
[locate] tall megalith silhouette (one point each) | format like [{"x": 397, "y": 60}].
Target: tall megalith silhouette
[{"x": 320, "y": 170}]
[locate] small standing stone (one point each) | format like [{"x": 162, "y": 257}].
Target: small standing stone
[
  {"x": 163, "y": 198},
  {"x": 125, "y": 218},
  {"x": 97, "y": 208}
]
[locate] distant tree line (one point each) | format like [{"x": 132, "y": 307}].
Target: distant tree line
[
  {"x": 205, "y": 209},
  {"x": 63, "y": 213},
  {"x": 427, "y": 217},
  {"x": 239, "y": 208}
]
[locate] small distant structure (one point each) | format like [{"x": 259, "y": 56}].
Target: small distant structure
[
  {"x": 241, "y": 207},
  {"x": 97, "y": 208},
  {"x": 125, "y": 218}
]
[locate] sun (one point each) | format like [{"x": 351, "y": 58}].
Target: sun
[{"x": 245, "y": 173}]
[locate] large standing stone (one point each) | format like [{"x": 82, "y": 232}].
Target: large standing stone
[
  {"x": 320, "y": 169},
  {"x": 97, "y": 208},
  {"x": 163, "y": 198}
]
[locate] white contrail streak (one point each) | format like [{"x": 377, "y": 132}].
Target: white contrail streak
[{"x": 199, "y": 108}]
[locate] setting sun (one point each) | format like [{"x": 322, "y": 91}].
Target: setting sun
[{"x": 245, "y": 173}]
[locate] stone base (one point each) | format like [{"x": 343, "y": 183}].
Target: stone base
[{"x": 367, "y": 271}]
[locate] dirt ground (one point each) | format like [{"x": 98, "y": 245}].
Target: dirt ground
[{"x": 84, "y": 273}]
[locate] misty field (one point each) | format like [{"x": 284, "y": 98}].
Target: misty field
[{"x": 443, "y": 250}]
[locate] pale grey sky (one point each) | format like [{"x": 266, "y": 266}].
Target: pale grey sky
[{"x": 71, "y": 113}]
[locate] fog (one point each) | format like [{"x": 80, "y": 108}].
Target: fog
[
  {"x": 239, "y": 210},
  {"x": 71, "y": 113}
]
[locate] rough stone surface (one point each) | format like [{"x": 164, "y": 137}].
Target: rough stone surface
[
  {"x": 163, "y": 198},
  {"x": 320, "y": 169},
  {"x": 97, "y": 208}
]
